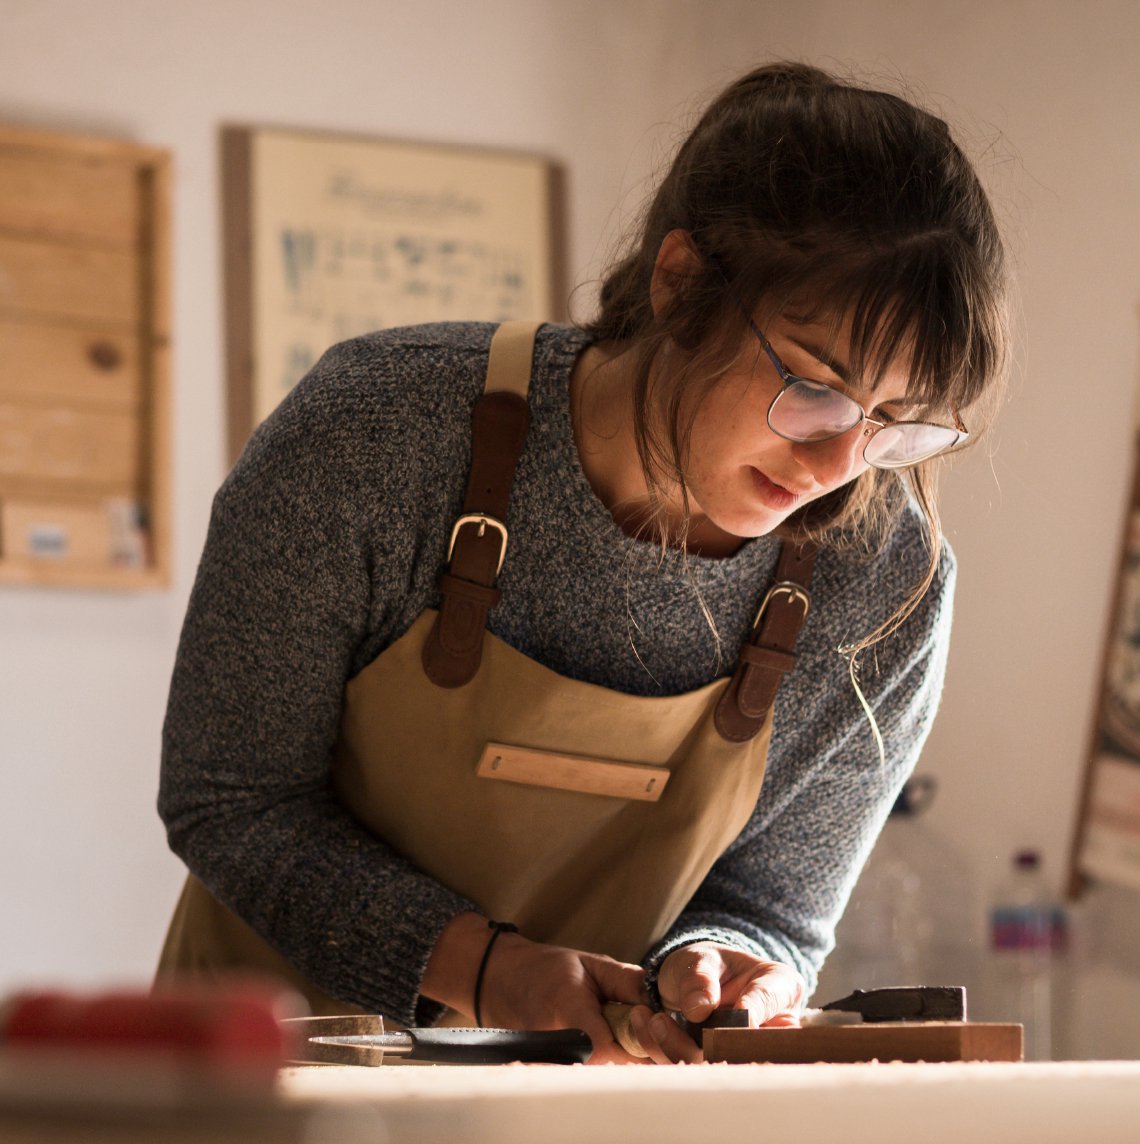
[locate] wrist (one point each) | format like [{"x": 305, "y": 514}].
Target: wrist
[
  {"x": 497, "y": 930},
  {"x": 461, "y": 951},
  {"x": 449, "y": 975}
]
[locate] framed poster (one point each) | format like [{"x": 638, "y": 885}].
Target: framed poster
[
  {"x": 328, "y": 237},
  {"x": 1107, "y": 845}
]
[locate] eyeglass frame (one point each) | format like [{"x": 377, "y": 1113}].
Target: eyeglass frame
[{"x": 789, "y": 379}]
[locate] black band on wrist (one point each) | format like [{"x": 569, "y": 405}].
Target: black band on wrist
[{"x": 498, "y": 928}]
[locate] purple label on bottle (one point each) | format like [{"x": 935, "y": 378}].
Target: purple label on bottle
[{"x": 1028, "y": 928}]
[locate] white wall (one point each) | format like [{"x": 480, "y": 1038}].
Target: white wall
[{"x": 1046, "y": 91}]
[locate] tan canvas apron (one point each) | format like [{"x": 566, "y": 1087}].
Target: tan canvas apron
[{"x": 586, "y": 816}]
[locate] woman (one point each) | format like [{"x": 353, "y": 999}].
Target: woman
[{"x": 720, "y": 488}]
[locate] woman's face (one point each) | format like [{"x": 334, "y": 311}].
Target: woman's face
[{"x": 744, "y": 480}]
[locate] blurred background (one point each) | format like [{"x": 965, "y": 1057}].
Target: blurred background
[{"x": 1044, "y": 94}]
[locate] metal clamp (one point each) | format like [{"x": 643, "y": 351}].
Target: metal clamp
[
  {"x": 482, "y": 520},
  {"x": 784, "y": 588}
]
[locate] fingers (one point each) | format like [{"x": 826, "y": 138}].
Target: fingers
[
  {"x": 690, "y": 980},
  {"x": 619, "y": 980},
  {"x": 607, "y": 1046},
  {"x": 773, "y": 993},
  {"x": 662, "y": 1038},
  {"x": 783, "y": 1021},
  {"x": 698, "y": 978}
]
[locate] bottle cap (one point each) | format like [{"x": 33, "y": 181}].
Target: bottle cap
[{"x": 916, "y": 795}]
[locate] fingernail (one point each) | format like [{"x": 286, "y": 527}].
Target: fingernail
[{"x": 659, "y": 1028}]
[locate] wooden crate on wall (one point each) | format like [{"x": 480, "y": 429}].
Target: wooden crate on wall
[{"x": 84, "y": 361}]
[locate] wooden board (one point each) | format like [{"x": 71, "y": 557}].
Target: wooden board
[
  {"x": 70, "y": 281},
  {"x": 68, "y": 194},
  {"x": 75, "y": 367},
  {"x": 84, "y": 361},
  {"x": 98, "y": 536},
  {"x": 930, "y": 1041},
  {"x": 67, "y": 445}
]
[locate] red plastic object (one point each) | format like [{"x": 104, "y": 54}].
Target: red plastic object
[{"x": 224, "y": 1027}]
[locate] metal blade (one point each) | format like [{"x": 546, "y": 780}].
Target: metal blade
[
  {"x": 362, "y": 1049},
  {"x": 315, "y": 1039}
]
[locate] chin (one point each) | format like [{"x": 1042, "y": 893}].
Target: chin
[{"x": 747, "y": 526}]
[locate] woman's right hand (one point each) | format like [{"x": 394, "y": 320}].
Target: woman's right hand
[{"x": 531, "y": 985}]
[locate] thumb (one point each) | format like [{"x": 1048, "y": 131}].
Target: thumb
[{"x": 690, "y": 981}]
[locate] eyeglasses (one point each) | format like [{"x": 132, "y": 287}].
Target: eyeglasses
[{"x": 806, "y": 410}]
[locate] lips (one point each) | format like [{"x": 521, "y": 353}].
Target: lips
[{"x": 774, "y": 495}]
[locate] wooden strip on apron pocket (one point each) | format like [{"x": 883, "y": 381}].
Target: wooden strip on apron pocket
[{"x": 571, "y": 772}]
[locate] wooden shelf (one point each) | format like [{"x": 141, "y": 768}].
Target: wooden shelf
[{"x": 84, "y": 362}]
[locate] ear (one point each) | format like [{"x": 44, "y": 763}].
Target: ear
[{"x": 676, "y": 260}]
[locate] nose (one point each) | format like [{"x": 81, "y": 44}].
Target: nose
[{"x": 833, "y": 463}]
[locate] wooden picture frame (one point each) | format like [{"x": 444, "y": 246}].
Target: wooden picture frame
[
  {"x": 1106, "y": 844},
  {"x": 84, "y": 361},
  {"x": 330, "y": 236}
]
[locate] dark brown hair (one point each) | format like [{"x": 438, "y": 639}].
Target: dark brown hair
[{"x": 808, "y": 195}]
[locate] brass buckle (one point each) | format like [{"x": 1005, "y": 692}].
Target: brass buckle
[
  {"x": 482, "y": 519},
  {"x": 783, "y": 588}
]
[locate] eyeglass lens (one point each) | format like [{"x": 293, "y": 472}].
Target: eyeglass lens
[{"x": 811, "y": 411}]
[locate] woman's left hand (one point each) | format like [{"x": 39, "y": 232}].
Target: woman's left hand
[{"x": 699, "y": 978}]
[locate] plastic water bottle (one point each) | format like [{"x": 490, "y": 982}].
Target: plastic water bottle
[
  {"x": 1027, "y": 932},
  {"x": 884, "y": 937}
]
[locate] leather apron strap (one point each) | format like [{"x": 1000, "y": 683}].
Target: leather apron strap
[
  {"x": 767, "y": 655},
  {"x": 478, "y": 547}
]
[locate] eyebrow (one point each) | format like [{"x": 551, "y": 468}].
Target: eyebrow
[
  {"x": 840, "y": 369},
  {"x": 822, "y": 356}
]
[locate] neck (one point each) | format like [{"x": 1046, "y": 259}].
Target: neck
[{"x": 602, "y": 412}]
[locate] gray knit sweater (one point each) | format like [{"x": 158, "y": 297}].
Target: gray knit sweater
[{"x": 325, "y": 544}]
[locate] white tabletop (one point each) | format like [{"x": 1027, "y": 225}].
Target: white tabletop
[
  {"x": 969, "y": 1103},
  {"x": 840, "y": 1104}
]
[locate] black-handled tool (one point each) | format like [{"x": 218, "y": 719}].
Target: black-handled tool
[{"x": 363, "y": 1040}]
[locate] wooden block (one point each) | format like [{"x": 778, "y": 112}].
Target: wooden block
[
  {"x": 906, "y": 1041},
  {"x": 69, "y": 280},
  {"x": 69, "y": 365},
  {"x": 572, "y": 772},
  {"x": 79, "y": 446}
]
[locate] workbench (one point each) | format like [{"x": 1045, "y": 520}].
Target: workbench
[{"x": 994, "y": 1103}]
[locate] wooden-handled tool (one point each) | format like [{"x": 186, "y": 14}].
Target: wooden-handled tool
[{"x": 617, "y": 1014}]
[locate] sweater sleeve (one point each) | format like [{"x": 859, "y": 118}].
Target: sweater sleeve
[
  {"x": 285, "y": 588},
  {"x": 780, "y": 889}
]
